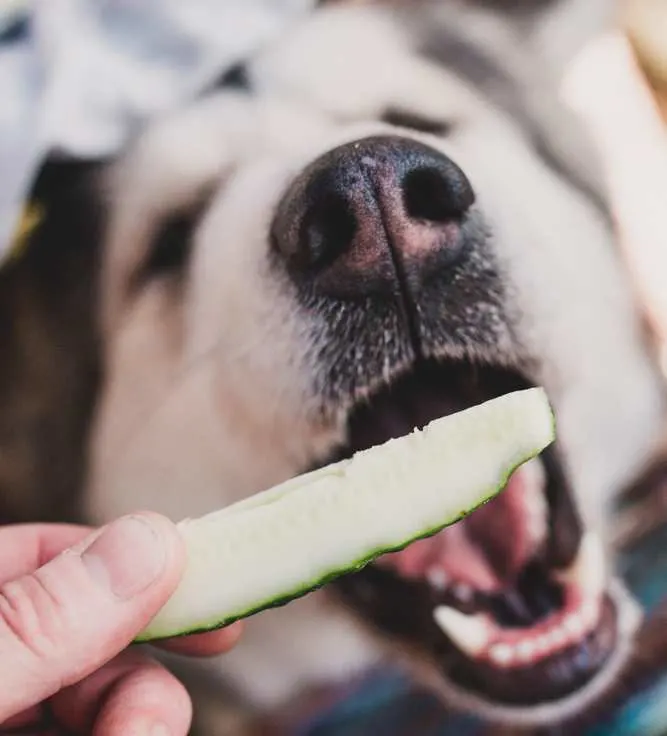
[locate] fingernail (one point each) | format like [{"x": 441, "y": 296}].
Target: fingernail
[{"x": 127, "y": 556}]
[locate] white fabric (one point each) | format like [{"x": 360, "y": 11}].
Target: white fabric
[{"x": 87, "y": 71}]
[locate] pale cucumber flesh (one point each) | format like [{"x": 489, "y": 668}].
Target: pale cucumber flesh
[{"x": 283, "y": 543}]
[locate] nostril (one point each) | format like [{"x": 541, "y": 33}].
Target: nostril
[
  {"x": 329, "y": 226},
  {"x": 431, "y": 194},
  {"x": 370, "y": 213}
]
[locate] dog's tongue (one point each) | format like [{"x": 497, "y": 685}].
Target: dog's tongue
[{"x": 489, "y": 548}]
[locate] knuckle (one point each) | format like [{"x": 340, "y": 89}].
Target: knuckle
[{"x": 34, "y": 616}]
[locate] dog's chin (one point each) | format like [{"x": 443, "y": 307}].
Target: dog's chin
[{"x": 513, "y": 607}]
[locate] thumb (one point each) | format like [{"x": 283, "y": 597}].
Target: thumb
[{"x": 72, "y": 615}]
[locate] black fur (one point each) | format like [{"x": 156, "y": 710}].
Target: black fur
[
  {"x": 407, "y": 119},
  {"x": 49, "y": 342},
  {"x": 169, "y": 250},
  {"x": 235, "y": 77}
]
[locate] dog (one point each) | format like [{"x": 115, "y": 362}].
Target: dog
[{"x": 383, "y": 217}]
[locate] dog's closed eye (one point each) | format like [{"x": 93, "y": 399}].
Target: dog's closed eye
[
  {"x": 414, "y": 121},
  {"x": 169, "y": 249}
]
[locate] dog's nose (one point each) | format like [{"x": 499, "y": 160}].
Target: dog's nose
[{"x": 372, "y": 212}]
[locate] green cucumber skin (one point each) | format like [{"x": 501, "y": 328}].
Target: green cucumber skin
[{"x": 339, "y": 572}]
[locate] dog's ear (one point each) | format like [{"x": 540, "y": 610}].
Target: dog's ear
[{"x": 49, "y": 370}]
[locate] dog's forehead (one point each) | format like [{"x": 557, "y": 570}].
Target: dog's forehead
[
  {"x": 448, "y": 61},
  {"x": 356, "y": 61}
]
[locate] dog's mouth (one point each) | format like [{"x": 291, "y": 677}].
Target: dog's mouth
[{"x": 511, "y": 603}]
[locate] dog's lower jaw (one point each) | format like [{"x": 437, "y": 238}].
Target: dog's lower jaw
[
  {"x": 314, "y": 643},
  {"x": 546, "y": 714}
]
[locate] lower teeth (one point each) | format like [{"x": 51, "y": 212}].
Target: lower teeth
[{"x": 479, "y": 637}]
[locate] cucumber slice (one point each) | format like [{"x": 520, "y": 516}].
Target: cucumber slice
[{"x": 289, "y": 540}]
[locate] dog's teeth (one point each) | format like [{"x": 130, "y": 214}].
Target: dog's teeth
[
  {"x": 437, "y": 578},
  {"x": 471, "y": 634},
  {"x": 537, "y": 531},
  {"x": 546, "y": 645},
  {"x": 560, "y": 636},
  {"x": 502, "y": 654},
  {"x": 526, "y": 651},
  {"x": 463, "y": 592},
  {"x": 541, "y": 644},
  {"x": 555, "y": 638},
  {"x": 550, "y": 643},
  {"x": 574, "y": 624},
  {"x": 537, "y": 512},
  {"x": 535, "y": 476},
  {"x": 588, "y": 571}
]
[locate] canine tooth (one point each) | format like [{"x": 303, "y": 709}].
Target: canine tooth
[
  {"x": 502, "y": 654},
  {"x": 588, "y": 571},
  {"x": 471, "y": 634},
  {"x": 437, "y": 578},
  {"x": 536, "y": 503},
  {"x": 537, "y": 530},
  {"x": 535, "y": 471}
]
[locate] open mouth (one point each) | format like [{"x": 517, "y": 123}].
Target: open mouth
[{"x": 510, "y": 603}]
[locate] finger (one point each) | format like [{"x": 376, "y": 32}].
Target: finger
[
  {"x": 30, "y": 546},
  {"x": 131, "y": 689},
  {"x": 25, "y": 547},
  {"x": 205, "y": 645},
  {"x": 146, "y": 701},
  {"x": 79, "y": 610}
]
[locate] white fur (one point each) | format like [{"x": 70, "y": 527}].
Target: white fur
[{"x": 207, "y": 396}]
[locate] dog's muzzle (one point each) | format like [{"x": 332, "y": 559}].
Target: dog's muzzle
[{"x": 512, "y": 605}]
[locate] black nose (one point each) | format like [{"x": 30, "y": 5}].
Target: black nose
[{"x": 371, "y": 212}]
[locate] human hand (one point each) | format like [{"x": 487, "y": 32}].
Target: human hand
[{"x": 71, "y": 600}]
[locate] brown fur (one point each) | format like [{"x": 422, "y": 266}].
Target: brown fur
[{"x": 49, "y": 368}]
